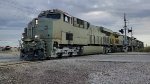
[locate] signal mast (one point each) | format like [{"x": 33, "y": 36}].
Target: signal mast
[
  {"x": 125, "y": 37},
  {"x": 124, "y": 31},
  {"x": 125, "y": 47}
]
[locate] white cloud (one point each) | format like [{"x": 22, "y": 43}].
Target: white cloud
[{"x": 15, "y": 14}]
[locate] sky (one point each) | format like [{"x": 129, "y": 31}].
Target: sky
[{"x": 15, "y": 15}]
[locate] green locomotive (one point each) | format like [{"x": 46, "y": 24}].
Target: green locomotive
[{"x": 55, "y": 33}]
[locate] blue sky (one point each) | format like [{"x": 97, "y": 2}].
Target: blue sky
[{"x": 15, "y": 15}]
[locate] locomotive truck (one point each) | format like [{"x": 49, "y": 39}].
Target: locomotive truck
[{"x": 55, "y": 33}]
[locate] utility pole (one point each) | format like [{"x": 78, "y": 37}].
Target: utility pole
[{"x": 125, "y": 37}]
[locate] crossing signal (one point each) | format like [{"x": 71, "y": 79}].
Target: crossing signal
[
  {"x": 129, "y": 30},
  {"x": 121, "y": 31}
]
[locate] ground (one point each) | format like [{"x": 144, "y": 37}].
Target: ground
[{"x": 114, "y": 68}]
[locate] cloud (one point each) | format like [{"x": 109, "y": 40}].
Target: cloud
[
  {"x": 15, "y": 14},
  {"x": 98, "y": 18}
]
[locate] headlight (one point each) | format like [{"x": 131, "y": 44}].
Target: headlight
[
  {"x": 36, "y": 21},
  {"x": 36, "y": 36},
  {"x": 22, "y": 37}
]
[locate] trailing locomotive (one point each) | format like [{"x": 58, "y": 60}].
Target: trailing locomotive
[{"x": 55, "y": 33}]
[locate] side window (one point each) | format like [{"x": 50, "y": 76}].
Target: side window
[
  {"x": 69, "y": 36},
  {"x": 25, "y": 30},
  {"x": 80, "y": 22},
  {"x": 88, "y": 25},
  {"x": 66, "y": 18}
]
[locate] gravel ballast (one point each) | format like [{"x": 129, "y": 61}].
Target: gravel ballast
[{"x": 76, "y": 70}]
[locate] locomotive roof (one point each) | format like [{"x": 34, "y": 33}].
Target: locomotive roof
[
  {"x": 55, "y": 11},
  {"x": 106, "y": 30}
]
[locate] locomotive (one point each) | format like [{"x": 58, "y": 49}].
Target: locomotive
[{"x": 55, "y": 33}]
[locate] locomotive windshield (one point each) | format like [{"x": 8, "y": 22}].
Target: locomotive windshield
[{"x": 51, "y": 15}]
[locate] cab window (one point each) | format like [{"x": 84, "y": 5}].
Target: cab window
[
  {"x": 53, "y": 16},
  {"x": 66, "y": 18}
]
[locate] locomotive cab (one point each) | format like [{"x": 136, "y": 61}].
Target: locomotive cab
[{"x": 37, "y": 37}]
